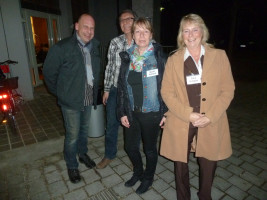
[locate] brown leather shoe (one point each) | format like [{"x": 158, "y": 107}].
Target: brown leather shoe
[{"x": 103, "y": 163}]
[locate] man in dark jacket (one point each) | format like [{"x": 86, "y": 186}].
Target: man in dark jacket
[{"x": 71, "y": 73}]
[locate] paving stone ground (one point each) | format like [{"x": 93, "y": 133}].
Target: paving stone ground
[{"x": 38, "y": 171}]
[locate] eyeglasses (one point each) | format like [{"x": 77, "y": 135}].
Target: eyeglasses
[{"x": 129, "y": 19}]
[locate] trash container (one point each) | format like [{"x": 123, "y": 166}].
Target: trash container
[{"x": 97, "y": 121}]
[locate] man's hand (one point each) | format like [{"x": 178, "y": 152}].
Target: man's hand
[
  {"x": 125, "y": 122},
  {"x": 105, "y": 97}
]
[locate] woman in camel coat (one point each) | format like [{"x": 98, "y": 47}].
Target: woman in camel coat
[{"x": 197, "y": 88}]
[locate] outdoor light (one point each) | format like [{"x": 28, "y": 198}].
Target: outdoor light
[
  {"x": 4, "y": 107},
  {"x": 4, "y": 120},
  {"x": 3, "y": 96}
]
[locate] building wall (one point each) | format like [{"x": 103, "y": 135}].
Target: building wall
[
  {"x": 3, "y": 47},
  {"x": 143, "y": 8},
  {"x": 151, "y": 10},
  {"x": 15, "y": 48},
  {"x": 106, "y": 14},
  {"x": 12, "y": 40},
  {"x": 66, "y": 25}
]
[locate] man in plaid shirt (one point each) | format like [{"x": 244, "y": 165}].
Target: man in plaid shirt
[{"x": 117, "y": 45}]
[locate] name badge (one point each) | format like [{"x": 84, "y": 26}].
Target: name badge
[
  {"x": 152, "y": 72},
  {"x": 193, "y": 79}
]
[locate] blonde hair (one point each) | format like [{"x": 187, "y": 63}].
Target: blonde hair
[
  {"x": 193, "y": 19},
  {"x": 143, "y": 22}
]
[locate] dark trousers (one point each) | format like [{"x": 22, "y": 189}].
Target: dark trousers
[
  {"x": 206, "y": 174},
  {"x": 76, "y": 138},
  {"x": 111, "y": 137},
  {"x": 145, "y": 126}
]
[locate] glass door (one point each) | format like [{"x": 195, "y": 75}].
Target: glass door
[{"x": 42, "y": 31}]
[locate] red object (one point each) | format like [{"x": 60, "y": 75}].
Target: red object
[
  {"x": 4, "y": 107},
  {"x": 5, "y": 68},
  {"x": 3, "y": 96}
]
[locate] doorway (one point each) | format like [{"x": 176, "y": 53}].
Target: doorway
[{"x": 42, "y": 31}]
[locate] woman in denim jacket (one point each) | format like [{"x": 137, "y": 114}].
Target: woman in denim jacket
[{"x": 140, "y": 106}]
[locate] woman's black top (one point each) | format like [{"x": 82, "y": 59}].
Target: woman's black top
[{"x": 135, "y": 81}]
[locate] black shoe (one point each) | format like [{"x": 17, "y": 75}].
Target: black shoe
[
  {"x": 144, "y": 186},
  {"x": 132, "y": 181},
  {"x": 74, "y": 175},
  {"x": 85, "y": 159}
]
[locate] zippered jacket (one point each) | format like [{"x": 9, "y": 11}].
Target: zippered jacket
[
  {"x": 124, "y": 107},
  {"x": 65, "y": 73}
]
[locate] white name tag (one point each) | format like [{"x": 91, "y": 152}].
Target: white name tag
[
  {"x": 193, "y": 79},
  {"x": 152, "y": 72}
]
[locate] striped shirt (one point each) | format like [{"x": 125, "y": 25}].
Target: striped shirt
[{"x": 88, "y": 93}]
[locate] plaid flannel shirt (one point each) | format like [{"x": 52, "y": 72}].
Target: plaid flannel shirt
[{"x": 117, "y": 45}]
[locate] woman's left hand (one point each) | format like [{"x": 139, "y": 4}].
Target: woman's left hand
[
  {"x": 162, "y": 122},
  {"x": 201, "y": 122}
]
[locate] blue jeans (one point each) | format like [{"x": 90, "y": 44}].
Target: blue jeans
[
  {"x": 113, "y": 124},
  {"x": 145, "y": 127},
  {"x": 76, "y": 138}
]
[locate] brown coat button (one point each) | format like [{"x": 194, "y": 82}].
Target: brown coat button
[
  {"x": 203, "y": 113},
  {"x": 204, "y": 99},
  {"x": 204, "y": 83}
]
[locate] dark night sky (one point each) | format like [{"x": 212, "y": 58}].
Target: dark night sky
[{"x": 218, "y": 16}]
